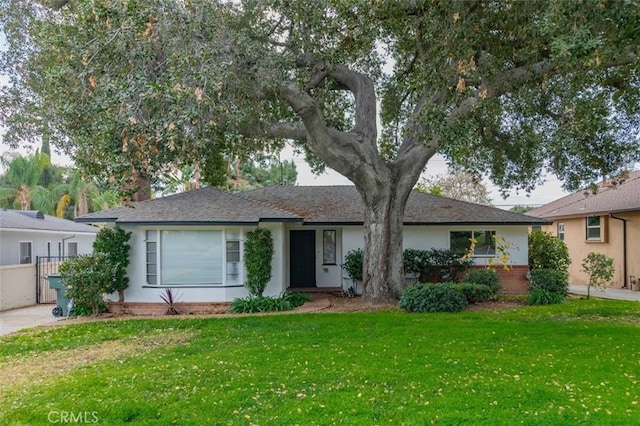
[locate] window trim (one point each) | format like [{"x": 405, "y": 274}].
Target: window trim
[
  {"x": 30, "y": 257},
  {"x": 560, "y": 231},
  {"x": 69, "y": 249},
  {"x": 239, "y": 262},
  {"x": 591, "y": 227},
  {"x": 235, "y": 235}
]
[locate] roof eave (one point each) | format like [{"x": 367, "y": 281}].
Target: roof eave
[{"x": 589, "y": 214}]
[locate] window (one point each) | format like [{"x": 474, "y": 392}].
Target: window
[
  {"x": 60, "y": 248},
  {"x": 72, "y": 249},
  {"x": 561, "y": 231},
  {"x": 233, "y": 262},
  {"x": 191, "y": 257},
  {"x": 593, "y": 228},
  {"x": 460, "y": 241},
  {"x": 152, "y": 257},
  {"x": 329, "y": 247},
  {"x": 25, "y": 252}
]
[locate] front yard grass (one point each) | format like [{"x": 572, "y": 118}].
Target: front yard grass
[{"x": 564, "y": 364}]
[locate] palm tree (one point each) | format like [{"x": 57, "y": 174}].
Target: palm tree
[{"x": 22, "y": 176}]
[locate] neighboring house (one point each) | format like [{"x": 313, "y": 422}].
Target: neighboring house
[
  {"x": 27, "y": 234},
  {"x": 193, "y": 241},
  {"x": 606, "y": 221}
]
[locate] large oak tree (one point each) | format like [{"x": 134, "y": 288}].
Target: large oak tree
[{"x": 508, "y": 89}]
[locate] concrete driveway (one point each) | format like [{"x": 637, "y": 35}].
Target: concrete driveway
[
  {"x": 606, "y": 293},
  {"x": 31, "y": 316}
]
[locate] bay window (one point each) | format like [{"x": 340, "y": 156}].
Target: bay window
[{"x": 193, "y": 257}]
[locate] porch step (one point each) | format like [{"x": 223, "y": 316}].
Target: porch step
[{"x": 316, "y": 292}]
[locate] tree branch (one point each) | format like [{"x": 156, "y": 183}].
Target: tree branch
[
  {"x": 358, "y": 84},
  {"x": 294, "y": 131}
]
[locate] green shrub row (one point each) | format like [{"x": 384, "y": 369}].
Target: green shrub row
[
  {"x": 474, "y": 293},
  {"x": 441, "y": 297},
  {"x": 253, "y": 304},
  {"x": 440, "y": 265}
]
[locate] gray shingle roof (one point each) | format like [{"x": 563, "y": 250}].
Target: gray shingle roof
[
  {"x": 201, "y": 206},
  {"x": 33, "y": 220},
  {"x": 608, "y": 199},
  {"x": 343, "y": 204},
  {"x": 308, "y": 204}
]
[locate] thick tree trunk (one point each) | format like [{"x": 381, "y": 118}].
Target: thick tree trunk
[{"x": 383, "y": 272}]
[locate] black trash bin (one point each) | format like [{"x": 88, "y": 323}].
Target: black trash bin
[{"x": 62, "y": 303}]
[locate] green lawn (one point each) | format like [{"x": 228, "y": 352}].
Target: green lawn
[{"x": 565, "y": 364}]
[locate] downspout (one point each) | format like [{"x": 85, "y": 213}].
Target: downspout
[{"x": 624, "y": 248}]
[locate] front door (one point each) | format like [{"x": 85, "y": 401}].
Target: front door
[{"x": 302, "y": 259}]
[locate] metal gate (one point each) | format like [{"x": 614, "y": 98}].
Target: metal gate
[{"x": 45, "y": 266}]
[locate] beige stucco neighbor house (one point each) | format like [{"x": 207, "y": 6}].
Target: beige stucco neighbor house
[
  {"x": 607, "y": 222},
  {"x": 194, "y": 241}
]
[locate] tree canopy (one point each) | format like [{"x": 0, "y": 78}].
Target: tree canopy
[
  {"x": 511, "y": 89},
  {"x": 457, "y": 185}
]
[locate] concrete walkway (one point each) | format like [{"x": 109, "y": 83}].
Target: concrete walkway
[
  {"x": 607, "y": 293},
  {"x": 21, "y": 318}
]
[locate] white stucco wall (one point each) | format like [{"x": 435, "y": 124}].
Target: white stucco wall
[
  {"x": 58, "y": 242},
  {"x": 347, "y": 238},
  {"x": 17, "y": 286},
  {"x": 428, "y": 237}
]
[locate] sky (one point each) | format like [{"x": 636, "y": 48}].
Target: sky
[{"x": 551, "y": 190}]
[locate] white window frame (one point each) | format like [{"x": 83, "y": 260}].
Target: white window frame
[
  {"x": 233, "y": 268},
  {"x": 151, "y": 268},
  {"x": 329, "y": 246},
  {"x": 560, "y": 231},
  {"x": 594, "y": 227},
  {"x": 154, "y": 238},
  {"x": 27, "y": 259},
  {"x": 69, "y": 243}
]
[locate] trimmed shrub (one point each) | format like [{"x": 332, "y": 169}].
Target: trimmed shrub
[
  {"x": 549, "y": 280},
  {"x": 544, "y": 297},
  {"x": 485, "y": 276},
  {"x": 432, "y": 298},
  {"x": 446, "y": 264},
  {"x": 85, "y": 279},
  {"x": 114, "y": 242},
  {"x": 258, "y": 254},
  {"x": 474, "y": 293},
  {"x": 353, "y": 264},
  {"x": 548, "y": 252}
]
